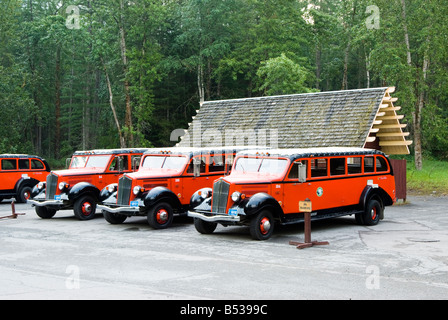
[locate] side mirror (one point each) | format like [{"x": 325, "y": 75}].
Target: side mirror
[
  {"x": 302, "y": 172},
  {"x": 68, "y": 161},
  {"x": 120, "y": 164},
  {"x": 136, "y": 163},
  {"x": 196, "y": 167}
]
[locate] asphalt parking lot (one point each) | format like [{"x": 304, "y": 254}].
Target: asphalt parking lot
[{"x": 404, "y": 257}]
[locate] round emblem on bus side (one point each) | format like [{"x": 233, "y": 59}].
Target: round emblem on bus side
[{"x": 319, "y": 192}]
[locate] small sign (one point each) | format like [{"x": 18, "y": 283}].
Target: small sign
[
  {"x": 134, "y": 204},
  {"x": 305, "y": 206},
  {"x": 233, "y": 212},
  {"x": 58, "y": 198}
]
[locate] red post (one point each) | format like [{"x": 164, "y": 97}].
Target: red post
[{"x": 14, "y": 214}]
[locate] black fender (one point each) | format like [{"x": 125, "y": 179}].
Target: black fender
[
  {"x": 379, "y": 194},
  {"x": 196, "y": 199},
  {"x": 105, "y": 193},
  {"x": 83, "y": 188},
  {"x": 158, "y": 194},
  {"x": 37, "y": 192},
  {"x": 260, "y": 201},
  {"x": 22, "y": 182}
]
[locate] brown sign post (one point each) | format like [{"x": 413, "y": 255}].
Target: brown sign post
[
  {"x": 14, "y": 214},
  {"x": 306, "y": 208}
]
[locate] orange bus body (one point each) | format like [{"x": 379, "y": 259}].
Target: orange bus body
[
  {"x": 19, "y": 174},
  {"x": 79, "y": 186},
  {"x": 335, "y": 182},
  {"x": 159, "y": 193}
]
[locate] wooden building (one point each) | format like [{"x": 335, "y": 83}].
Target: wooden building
[{"x": 365, "y": 118}]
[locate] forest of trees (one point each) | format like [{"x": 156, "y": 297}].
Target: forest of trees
[{"x": 83, "y": 74}]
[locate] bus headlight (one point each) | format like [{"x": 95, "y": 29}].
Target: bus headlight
[
  {"x": 137, "y": 190},
  {"x": 236, "y": 196},
  {"x": 112, "y": 188},
  {"x": 63, "y": 186}
]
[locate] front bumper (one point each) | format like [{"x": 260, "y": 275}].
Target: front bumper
[
  {"x": 120, "y": 210},
  {"x": 48, "y": 203},
  {"x": 213, "y": 217}
]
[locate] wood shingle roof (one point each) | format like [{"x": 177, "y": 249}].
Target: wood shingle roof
[{"x": 351, "y": 118}]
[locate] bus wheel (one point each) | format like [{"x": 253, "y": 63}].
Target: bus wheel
[
  {"x": 114, "y": 218},
  {"x": 372, "y": 213},
  {"x": 45, "y": 213},
  {"x": 24, "y": 194},
  {"x": 262, "y": 225},
  {"x": 204, "y": 227},
  {"x": 160, "y": 216},
  {"x": 85, "y": 208}
]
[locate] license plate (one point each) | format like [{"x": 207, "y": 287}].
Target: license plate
[
  {"x": 134, "y": 204},
  {"x": 58, "y": 198},
  {"x": 233, "y": 212}
]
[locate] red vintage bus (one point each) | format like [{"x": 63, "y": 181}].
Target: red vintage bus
[
  {"x": 79, "y": 186},
  {"x": 271, "y": 186},
  {"x": 164, "y": 184},
  {"x": 19, "y": 173}
]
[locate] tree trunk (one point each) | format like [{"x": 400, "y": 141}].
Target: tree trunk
[
  {"x": 201, "y": 89},
  {"x": 128, "y": 117},
  {"x": 58, "y": 76},
  {"x": 417, "y": 115},
  {"x": 111, "y": 102},
  {"x": 368, "y": 68},
  {"x": 345, "y": 77},
  {"x": 406, "y": 34},
  {"x": 318, "y": 64}
]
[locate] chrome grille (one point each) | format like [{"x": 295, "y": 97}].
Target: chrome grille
[
  {"x": 124, "y": 191},
  {"x": 220, "y": 196},
  {"x": 52, "y": 185}
]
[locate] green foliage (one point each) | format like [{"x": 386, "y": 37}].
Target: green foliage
[
  {"x": 281, "y": 75},
  {"x": 162, "y": 57},
  {"x": 433, "y": 179}
]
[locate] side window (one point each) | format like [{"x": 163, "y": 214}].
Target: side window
[
  {"x": 216, "y": 163},
  {"x": 337, "y": 166},
  {"x": 9, "y": 164},
  {"x": 37, "y": 165},
  {"x": 119, "y": 163},
  {"x": 229, "y": 162},
  {"x": 354, "y": 165},
  {"x": 199, "y": 162},
  {"x": 381, "y": 164},
  {"x": 369, "y": 164},
  {"x": 24, "y": 164},
  {"x": 319, "y": 168},
  {"x": 294, "y": 172}
]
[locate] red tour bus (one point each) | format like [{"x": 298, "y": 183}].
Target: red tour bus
[
  {"x": 79, "y": 186},
  {"x": 164, "y": 184},
  {"x": 278, "y": 186},
  {"x": 19, "y": 173}
]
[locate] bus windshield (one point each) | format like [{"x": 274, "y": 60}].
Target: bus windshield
[
  {"x": 164, "y": 162},
  {"x": 78, "y": 162},
  {"x": 97, "y": 162},
  {"x": 261, "y": 165}
]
